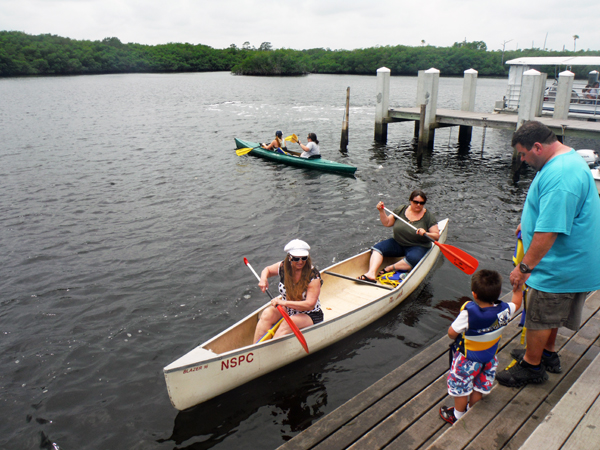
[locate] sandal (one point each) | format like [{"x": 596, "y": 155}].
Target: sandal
[
  {"x": 384, "y": 271},
  {"x": 367, "y": 279}
]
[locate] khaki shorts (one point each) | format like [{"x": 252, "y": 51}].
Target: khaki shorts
[{"x": 548, "y": 310}]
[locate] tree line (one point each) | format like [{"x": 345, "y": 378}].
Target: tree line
[{"x": 23, "y": 54}]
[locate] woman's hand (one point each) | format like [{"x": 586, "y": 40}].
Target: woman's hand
[
  {"x": 276, "y": 301},
  {"x": 421, "y": 231},
  {"x": 263, "y": 284},
  {"x": 380, "y": 206}
]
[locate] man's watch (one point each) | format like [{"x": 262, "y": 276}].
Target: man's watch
[{"x": 524, "y": 268}]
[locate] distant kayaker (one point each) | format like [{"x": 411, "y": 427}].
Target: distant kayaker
[
  {"x": 299, "y": 289},
  {"x": 412, "y": 246},
  {"x": 277, "y": 144},
  {"x": 311, "y": 149}
]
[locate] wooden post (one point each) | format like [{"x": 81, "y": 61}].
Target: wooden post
[
  {"x": 422, "y": 141},
  {"x": 563, "y": 95},
  {"x": 344, "y": 140},
  {"x": 427, "y": 93},
  {"x": 541, "y": 91},
  {"x": 467, "y": 104},
  {"x": 530, "y": 90},
  {"x": 383, "y": 104},
  {"x": 528, "y": 107}
]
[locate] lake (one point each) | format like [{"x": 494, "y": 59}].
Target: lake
[{"x": 125, "y": 216}]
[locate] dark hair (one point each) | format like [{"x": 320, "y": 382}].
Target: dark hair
[
  {"x": 294, "y": 290},
  {"x": 313, "y": 137},
  {"x": 418, "y": 193},
  {"x": 487, "y": 285},
  {"x": 531, "y": 132}
]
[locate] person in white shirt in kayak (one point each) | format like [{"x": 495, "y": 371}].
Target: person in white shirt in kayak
[{"x": 311, "y": 149}]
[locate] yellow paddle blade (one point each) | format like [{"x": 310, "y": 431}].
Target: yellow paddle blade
[
  {"x": 243, "y": 151},
  {"x": 293, "y": 138}
]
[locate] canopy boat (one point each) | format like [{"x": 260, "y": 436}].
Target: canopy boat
[
  {"x": 596, "y": 175},
  {"x": 583, "y": 104},
  {"x": 231, "y": 358},
  {"x": 294, "y": 159}
]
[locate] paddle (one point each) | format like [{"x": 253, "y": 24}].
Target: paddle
[
  {"x": 293, "y": 138},
  {"x": 243, "y": 151},
  {"x": 283, "y": 312},
  {"x": 456, "y": 256}
]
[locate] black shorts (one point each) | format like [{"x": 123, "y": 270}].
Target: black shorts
[{"x": 316, "y": 316}]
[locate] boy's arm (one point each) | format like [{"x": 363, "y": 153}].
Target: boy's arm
[
  {"x": 452, "y": 334},
  {"x": 460, "y": 324},
  {"x": 517, "y": 298}
]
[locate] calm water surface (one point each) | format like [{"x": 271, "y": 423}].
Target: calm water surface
[{"x": 125, "y": 216}]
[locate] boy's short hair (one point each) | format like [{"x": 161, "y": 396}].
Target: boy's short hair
[{"x": 487, "y": 285}]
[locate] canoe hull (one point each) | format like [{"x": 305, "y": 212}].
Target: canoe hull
[
  {"x": 206, "y": 372},
  {"x": 319, "y": 164}
]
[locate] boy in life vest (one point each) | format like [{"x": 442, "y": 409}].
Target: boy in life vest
[{"x": 477, "y": 330}]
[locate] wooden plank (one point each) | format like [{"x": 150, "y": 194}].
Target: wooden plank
[
  {"x": 445, "y": 117},
  {"x": 379, "y": 436},
  {"x": 346, "y": 412},
  {"x": 569, "y": 411},
  {"x": 587, "y": 433},
  {"x": 365, "y": 421}
]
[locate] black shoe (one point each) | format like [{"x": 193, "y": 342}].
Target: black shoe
[
  {"x": 551, "y": 363},
  {"x": 518, "y": 375},
  {"x": 447, "y": 413}
]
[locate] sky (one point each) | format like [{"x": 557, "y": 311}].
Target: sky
[{"x": 303, "y": 24}]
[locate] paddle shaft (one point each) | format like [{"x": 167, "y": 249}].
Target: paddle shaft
[
  {"x": 461, "y": 259},
  {"x": 409, "y": 224},
  {"x": 283, "y": 312},
  {"x": 381, "y": 286}
]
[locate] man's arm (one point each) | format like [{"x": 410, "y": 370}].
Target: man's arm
[{"x": 540, "y": 245}]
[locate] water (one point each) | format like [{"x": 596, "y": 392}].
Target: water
[{"x": 124, "y": 218}]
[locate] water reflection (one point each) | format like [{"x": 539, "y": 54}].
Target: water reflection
[{"x": 294, "y": 400}]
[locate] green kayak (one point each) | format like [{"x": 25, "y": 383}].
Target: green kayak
[{"x": 292, "y": 160}]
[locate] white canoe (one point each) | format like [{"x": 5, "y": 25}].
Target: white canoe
[{"x": 231, "y": 359}]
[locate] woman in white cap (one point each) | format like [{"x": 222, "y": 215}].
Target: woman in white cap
[
  {"x": 299, "y": 288},
  {"x": 277, "y": 145}
]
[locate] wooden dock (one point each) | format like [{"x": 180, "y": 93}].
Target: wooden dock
[
  {"x": 400, "y": 411},
  {"x": 448, "y": 117}
]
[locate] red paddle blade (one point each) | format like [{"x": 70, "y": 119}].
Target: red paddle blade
[
  {"x": 459, "y": 258},
  {"x": 245, "y": 260},
  {"x": 293, "y": 326}
]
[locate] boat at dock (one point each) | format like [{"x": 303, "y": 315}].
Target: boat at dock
[
  {"x": 294, "y": 159},
  {"x": 584, "y": 104},
  {"x": 231, "y": 358},
  {"x": 596, "y": 175}
]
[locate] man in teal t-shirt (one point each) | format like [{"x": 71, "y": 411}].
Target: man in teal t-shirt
[{"x": 560, "y": 225}]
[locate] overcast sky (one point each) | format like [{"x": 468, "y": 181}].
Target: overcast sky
[{"x": 301, "y": 24}]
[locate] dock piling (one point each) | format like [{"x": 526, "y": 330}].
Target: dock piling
[
  {"x": 344, "y": 139},
  {"x": 529, "y": 104},
  {"x": 427, "y": 94},
  {"x": 383, "y": 104},
  {"x": 468, "y": 104},
  {"x": 563, "y": 95}
]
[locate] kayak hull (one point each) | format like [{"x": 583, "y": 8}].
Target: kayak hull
[{"x": 321, "y": 164}]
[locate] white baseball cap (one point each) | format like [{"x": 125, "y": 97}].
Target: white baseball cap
[{"x": 296, "y": 247}]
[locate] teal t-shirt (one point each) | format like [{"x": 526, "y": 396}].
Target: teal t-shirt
[{"x": 563, "y": 199}]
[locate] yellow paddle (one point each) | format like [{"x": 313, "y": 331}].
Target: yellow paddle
[
  {"x": 243, "y": 151},
  {"x": 293, "y": 138}
]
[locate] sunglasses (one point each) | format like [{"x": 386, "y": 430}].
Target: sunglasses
[
  {"x": 298, "y": 258},
  {"x": 418, "y": 202}
]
